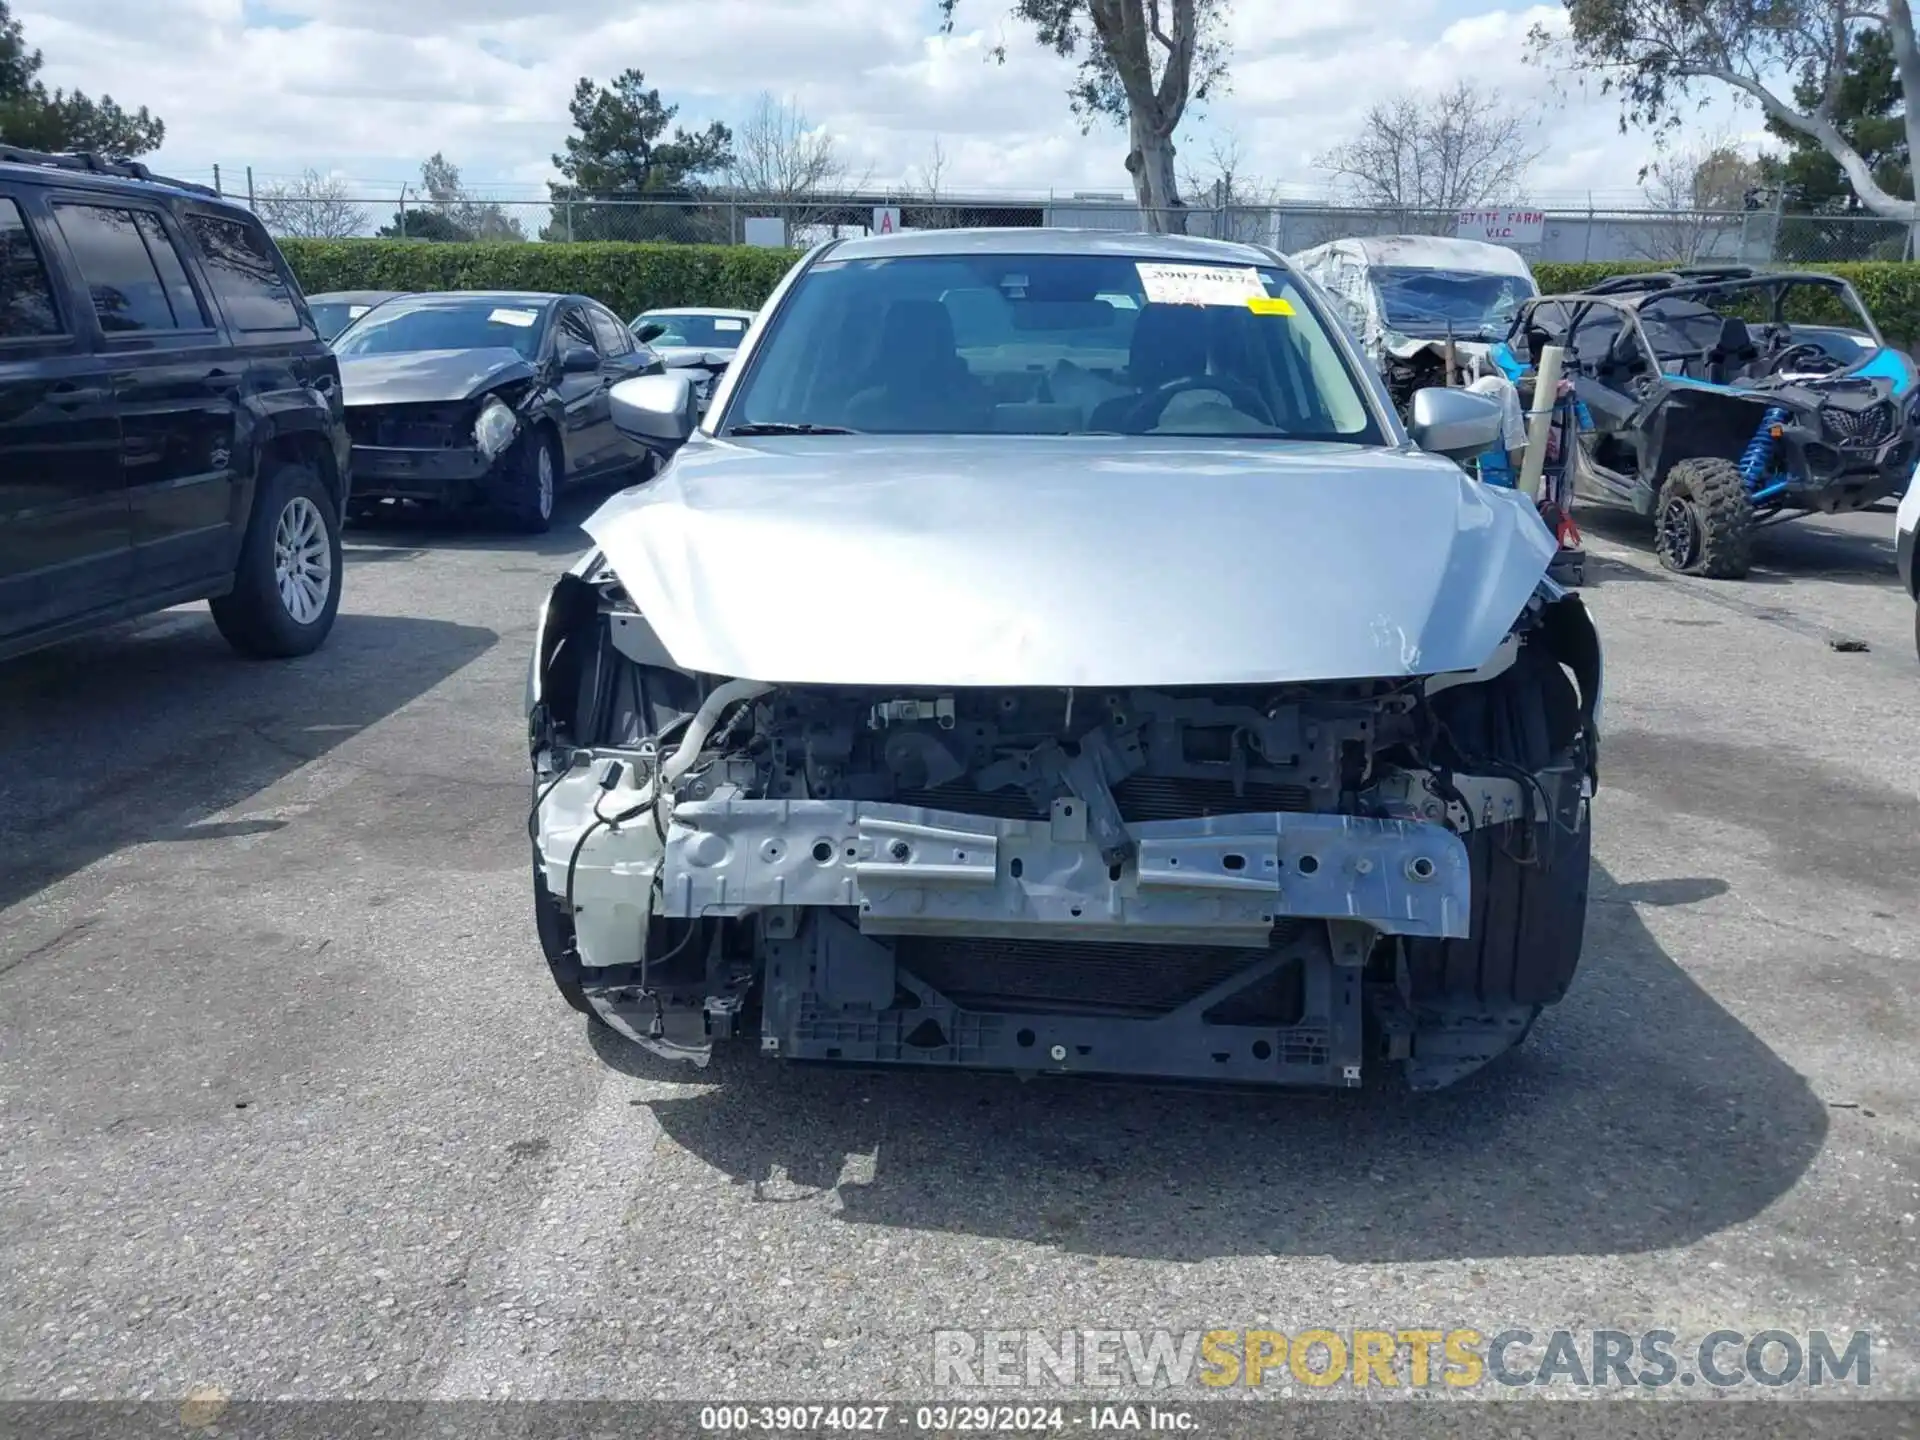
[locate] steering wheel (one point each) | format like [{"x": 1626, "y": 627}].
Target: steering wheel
[
  {"x": 1244, "y": 398},
  {"x": 1812, "y": 357}
]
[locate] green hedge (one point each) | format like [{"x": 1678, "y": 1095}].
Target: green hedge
[
  {"x": 625, "y": 278},
  {"x": 1889, "y": 289}
]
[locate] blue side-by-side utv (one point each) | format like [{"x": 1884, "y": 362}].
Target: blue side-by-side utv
[{"x": 1708, "y": 407}]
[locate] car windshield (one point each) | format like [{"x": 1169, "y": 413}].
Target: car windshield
[
  {"x": 710, "y": 332},
  {"x": 1050, "y": 344},
  {"x": 480, "y": 324},
  {"x": 333, "y": 316},
  {"x": 1472, "y": 304}
]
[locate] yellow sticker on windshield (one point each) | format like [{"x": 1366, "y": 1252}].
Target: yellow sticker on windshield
[{"x": 1269, "y": 305}]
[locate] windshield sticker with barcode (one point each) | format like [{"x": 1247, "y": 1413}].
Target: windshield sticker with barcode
[
  {"x": 729, "y": 324},
  {"x": 522, "y": 318},
  {"x": 1199, "y": 284}
]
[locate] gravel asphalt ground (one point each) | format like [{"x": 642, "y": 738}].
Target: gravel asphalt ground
[{"x": 288, "y": 1106}]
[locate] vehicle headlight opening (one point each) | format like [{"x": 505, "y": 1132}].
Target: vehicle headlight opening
[{"x": 493, "y": 431}]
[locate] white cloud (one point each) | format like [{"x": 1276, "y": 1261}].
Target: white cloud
[{"x": 369, "y": 87}]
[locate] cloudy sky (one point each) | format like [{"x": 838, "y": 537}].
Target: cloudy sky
[{"x": 367, "y": 88}]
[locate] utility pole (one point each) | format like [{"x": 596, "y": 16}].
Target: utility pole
[
  {"x": 250, "y": 187},
  {"x": 216, "y": 181}
]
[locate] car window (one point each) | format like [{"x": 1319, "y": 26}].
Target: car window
[
  {"x": 441, "y": 322},
  {"x": 710, "y": 332},
  {"x": 333, "y": 316},
  {"x": 613, "y": 337},
  {"x": 27, "y": 307},
  {"x": 107, "y": 245},
  {"x": 1429, "y": 304},
  {"x": 188, "y": 312},
  {"x": 245, "y": 274},
  {"x": 1052, "y": 344},
  {"x": 575, "y": 330}
]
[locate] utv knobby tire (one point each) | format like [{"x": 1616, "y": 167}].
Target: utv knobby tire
[
  {"x": 521, "y": 499},
  {"x": 293, "y": 526},
  {"x": 1717, "y": 539},
  {"x": 1530, "y": 880}
]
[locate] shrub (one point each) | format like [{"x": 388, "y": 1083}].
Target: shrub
[{"x": 625, "y": 278}]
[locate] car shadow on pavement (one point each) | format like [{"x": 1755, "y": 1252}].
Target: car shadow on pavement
[
  {"x": 144, "y": 732},
  {"x": 1640, "y": 1115}
]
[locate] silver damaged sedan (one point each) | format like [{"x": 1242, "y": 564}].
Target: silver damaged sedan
[{"x": 1050, "y": 653}]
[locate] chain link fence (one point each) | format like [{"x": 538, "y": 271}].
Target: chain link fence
[{"x": 1762, "y": 237}]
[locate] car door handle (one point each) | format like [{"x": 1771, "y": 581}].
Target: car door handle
[{"x": 72, "y": 397}]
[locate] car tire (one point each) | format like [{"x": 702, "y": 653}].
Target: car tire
[
  {"x": 1529, "y": 918},
  {"x": 557, "y": 944},
  {"x": 286, "y": 588},
  {"x": 530, "y": 481},
  {"x": 1703, "y": 521}
]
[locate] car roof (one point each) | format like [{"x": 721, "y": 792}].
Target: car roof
[
  {"x": 91, "y": 172},
  {"x": 715, "y": 310},
  {"x": 355, "y": 297},
  {"x": 1050, "y": 240},
  {"x": 482, "y": 297},
  {"x": 1437, "y": 252}
]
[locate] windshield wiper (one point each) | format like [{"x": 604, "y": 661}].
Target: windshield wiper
[{"x": 787, "y": 427}]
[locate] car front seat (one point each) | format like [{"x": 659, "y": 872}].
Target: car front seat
[
  {"x": 917, "y": 381},
  {"x": 1732, "y": 353}
]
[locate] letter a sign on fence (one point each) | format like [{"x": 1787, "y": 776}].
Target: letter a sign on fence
[{"x": 886, "y": 219}]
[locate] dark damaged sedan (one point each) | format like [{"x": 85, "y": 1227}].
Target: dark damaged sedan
[{"x": 487, "y": 402}]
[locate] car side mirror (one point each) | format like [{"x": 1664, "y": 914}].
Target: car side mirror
[
  {"x": 578, "y": 360},
  {"x": 1458, "y": 424},
  {"x": 659, "y": 408}
]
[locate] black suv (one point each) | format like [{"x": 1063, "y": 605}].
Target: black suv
[{"x": 171, "y": 426}]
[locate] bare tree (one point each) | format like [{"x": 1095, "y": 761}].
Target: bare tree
[
  {"x": 781, "y": 159},
  {"x": 1242, "y": 202},
  {"x": 925, "y": 186},
  {"x": 1421, "y": 158},
  {"x": 1698, "y": 193},
  {"x": 1142, "y": 62},
  {"x": 1651, "y": 52},
  {"x": 314, "y": 207}
]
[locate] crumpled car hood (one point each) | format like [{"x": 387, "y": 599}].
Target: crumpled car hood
[
  {"x": 680, "y": 357},
  {"x": 1069, "y": 560},
  {"x": 416, "y": 376},
  {"x": 1405, "y": 347}
]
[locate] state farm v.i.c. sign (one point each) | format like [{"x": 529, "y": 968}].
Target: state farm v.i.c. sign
[{"x": 1502, "y": 227}]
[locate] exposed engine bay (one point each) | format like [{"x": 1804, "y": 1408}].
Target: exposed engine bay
[
  {"x": 1424, "y": 368},
  {"x": 1266, "y": 884}
]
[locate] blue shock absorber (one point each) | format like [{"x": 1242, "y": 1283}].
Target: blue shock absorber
[{"x": 1757, "y": 459}]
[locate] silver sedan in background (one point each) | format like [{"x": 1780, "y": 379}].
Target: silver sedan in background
[{"x": 697, "y": 338}]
